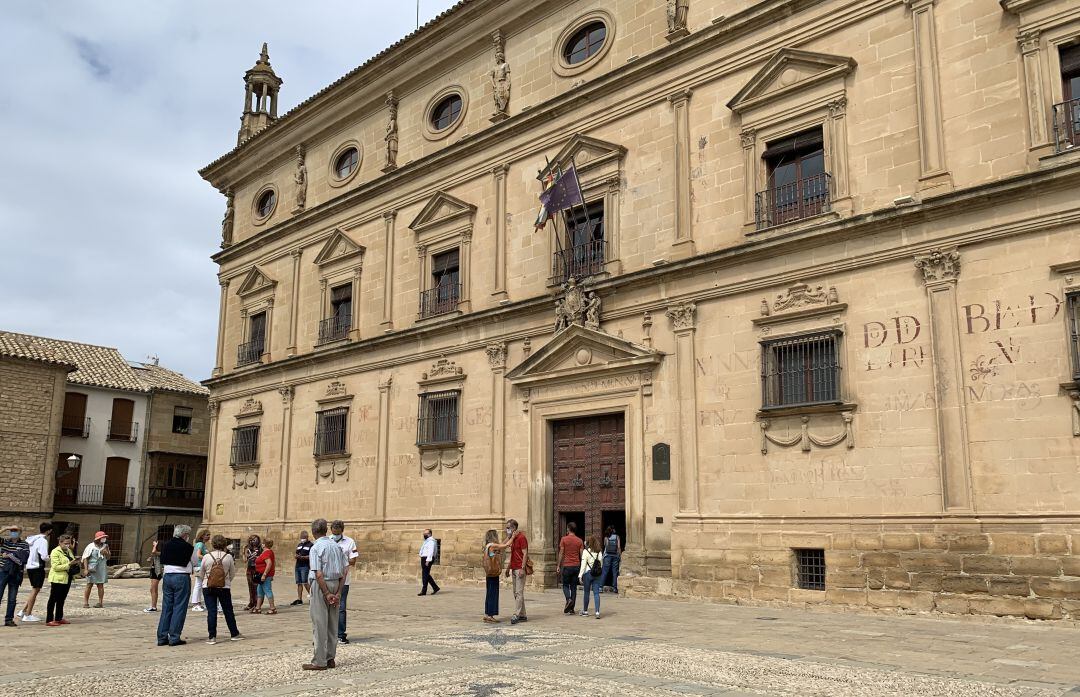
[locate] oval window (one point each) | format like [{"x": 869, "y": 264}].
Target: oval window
[
  {"x": 446, "y": 112},
  {"x": 266, "y": 203},
  {"x": 346, "y": 163},
  {"x": 585, "y": 43}
]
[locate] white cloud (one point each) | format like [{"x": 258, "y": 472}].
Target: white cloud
[{"x": 107, "y": 110}]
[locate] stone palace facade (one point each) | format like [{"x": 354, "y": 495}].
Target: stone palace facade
[{"x": 812, "y": 338}]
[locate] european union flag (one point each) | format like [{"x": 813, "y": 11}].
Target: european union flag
[{"x": 562, "y": 194}]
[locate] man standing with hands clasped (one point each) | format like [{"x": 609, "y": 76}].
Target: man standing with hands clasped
[
  {"x": 427, "y": 558},
  {"x": 328, "y": 564}
]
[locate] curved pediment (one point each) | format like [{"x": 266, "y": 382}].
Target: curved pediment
[
  {"x": 579, "y": 352},
  {"x": 788, "y": 71}
]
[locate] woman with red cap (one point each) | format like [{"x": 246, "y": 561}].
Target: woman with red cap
[{"x": 95, "y": 560}]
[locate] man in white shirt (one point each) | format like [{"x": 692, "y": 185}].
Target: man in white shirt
[
  {"x": 348, "y": 546},
  {"x": 427, "y": 558},
  {"x": 35, "y": 569}
]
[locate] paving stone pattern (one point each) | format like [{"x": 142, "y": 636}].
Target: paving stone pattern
[{"x": 437, "y": 646}]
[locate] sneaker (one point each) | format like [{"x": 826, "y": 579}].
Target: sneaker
[
  {"x": 597, "y": 614},
  {"x": 150, "y": 609},
  {"x": 343, "y": 640},
  {"x": 211, "y": 641},
  {"x": 198, "y": 608},
  {"x": 297, "y": 602},
  {"x": 238, "y": 637},
  {"x": 584, "y": 613},
  {"x": 30, "y": 618},
  {"x": 20, "y": 614},
  {"x": 514, "y": 620}
]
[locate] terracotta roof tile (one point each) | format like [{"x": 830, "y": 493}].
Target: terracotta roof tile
[{"x": 155, "y": 377}]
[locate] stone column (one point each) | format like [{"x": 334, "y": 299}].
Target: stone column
[
  {"x": 383, "y": 455},
  {"x": 286, "y": 392},
  {"x": 928, "y": 95},
  {"x": 218, "y": 366},
  {"x": 294, "y": 308},
  {"x": 354, "y": 320},
  {"x": 499, "y": 174},
  {"x": 940, "y": 270},
  {"x": 682, "y": 322},
  {"x": 1031, "y": 49},
  {"x": 750, "y": 170},
  {"x": 211, "y": 462},
  {"x": 684, "y": 233},
  {"x": 496, "y": 354},
  {"x": 388, "y": 274}
]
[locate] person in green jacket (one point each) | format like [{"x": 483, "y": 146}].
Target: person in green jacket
[{"x": 62, "y": 568}]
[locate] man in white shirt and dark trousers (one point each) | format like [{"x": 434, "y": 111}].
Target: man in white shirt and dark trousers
[
  {"x": 348, "y": 546},
  {"x": 35, "y": 569},
  {"x": 427, "y": 558}
]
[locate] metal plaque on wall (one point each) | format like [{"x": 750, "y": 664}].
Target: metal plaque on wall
[{"x": 661, "y": 462}]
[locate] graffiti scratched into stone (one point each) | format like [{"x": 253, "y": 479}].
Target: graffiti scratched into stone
[
  {"x": 896, "y": 357},
  {"x": 1028, "y": 393},
  {"x": 902, "y": 329},
  {"x": 821, "y": 472},
  {"x": 905, "y": 401}
]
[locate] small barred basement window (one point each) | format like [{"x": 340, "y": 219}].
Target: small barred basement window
[
  {"x": 810, "y": 569},
  {"x": 800, "y": 371}
]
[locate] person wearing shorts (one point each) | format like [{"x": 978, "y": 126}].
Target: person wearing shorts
[{"x": 35, "y": 569}]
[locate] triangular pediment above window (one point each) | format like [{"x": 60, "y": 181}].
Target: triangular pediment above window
[
  {"x": 577, "y": 352},
  {"x": 788, "y": 71},
  {"x": 255, "y": 282},
  {"x": 443, "y": 210},
  {"x": 338, "y": 247},
  {"x": 587, "y": 154}
]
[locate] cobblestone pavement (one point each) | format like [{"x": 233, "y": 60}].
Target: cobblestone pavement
[{"x": 436, "y": 645}]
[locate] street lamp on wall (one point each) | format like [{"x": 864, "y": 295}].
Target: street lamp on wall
[{"x": 73, "y": 461}]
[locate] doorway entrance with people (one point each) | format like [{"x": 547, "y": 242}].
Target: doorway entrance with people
[{"x": 589, "y": 474}]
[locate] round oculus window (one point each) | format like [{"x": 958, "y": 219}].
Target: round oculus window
[
  {"x": 346, "y": 163},
  {"x": 585, "y": 43},
  {"x": 266, "y": 203},
  {"x": 446, "y": 112}
]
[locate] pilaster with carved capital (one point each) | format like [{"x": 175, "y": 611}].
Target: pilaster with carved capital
[
  {"x": 496, "y": 354},
  {"x": 939, "y": 265},
  {"x": 682, "y": 317}
]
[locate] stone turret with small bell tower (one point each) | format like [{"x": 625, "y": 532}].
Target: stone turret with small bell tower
[{"x": 260, "y": 97}]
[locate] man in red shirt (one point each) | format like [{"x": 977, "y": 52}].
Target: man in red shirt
[
  {"x": 569, "y": 563},
  {"x": 519, "y": 553}
]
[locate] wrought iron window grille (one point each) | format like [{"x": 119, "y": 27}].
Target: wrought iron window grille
[
  {"x": 810, "y": 569},
  {"x": 801, "y": 371}
]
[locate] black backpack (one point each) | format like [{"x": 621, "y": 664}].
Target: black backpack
[{"x": 595, "y": 570}]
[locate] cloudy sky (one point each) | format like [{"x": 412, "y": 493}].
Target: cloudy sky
[{"x": 107, "y": 109}]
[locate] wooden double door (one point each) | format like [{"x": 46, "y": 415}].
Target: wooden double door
[{"x": 589, "y": 475}]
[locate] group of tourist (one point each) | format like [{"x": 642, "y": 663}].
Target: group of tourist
[{"x": 198, "y": 575}]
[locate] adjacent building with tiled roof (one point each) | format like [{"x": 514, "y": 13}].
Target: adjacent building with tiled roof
[{"x": 105, "y": 443}]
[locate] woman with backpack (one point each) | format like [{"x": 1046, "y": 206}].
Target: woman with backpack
[
  {"x": 492, "y": 569},
  {"x": 591, "y": 574},
  {"x": 216, "y": 575}
]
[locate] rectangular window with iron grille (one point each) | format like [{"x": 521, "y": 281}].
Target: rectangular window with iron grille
[
  {"x": 1072, "y": 301},
  {"x": 438, "y": 418},
  {"x": 245, "y": 446},
  {"x": 1067, "y": 113},
  {"x": 444, "y": 295},
  {"x": 582, "y": 251},
  {"x": 336, "y": 326},
  {"x": 810, "y": 569},
  {"x": 801, "y": 370},
  {"x": 798, "y": 185},
  {"x": 252, "y": 350},
  {"x": 331, "y": 431}
]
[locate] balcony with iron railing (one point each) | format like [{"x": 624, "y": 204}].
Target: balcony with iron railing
[
  {"x": 76, "y": 427},
  {"x": 579, "y": 261},
  {"x": 800, "y": 199},
  {"x": 122, "y": 430},
  {"x": 176, "y": 497},
  {"x": 334, "y": 328},
  {"x": 1067, "y": 125},
  {"x": 439, "y": 300},
  {"x": 251, "y": 352},
  {"x": 95, "y": 495}
]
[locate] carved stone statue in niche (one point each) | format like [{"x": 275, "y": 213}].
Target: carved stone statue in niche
[
  {"x": 676, "y": 15},
  {"x": 227, "y": 221},
  {"x": 592, "y": 312},
  {"x": 500, "y": 77},
  {"x": 391, "y": 137},
  {"x": 300, "y": 178}
]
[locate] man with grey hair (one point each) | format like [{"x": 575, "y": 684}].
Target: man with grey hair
[
  {"x": 328, "y": 568},
  {"x": 176, "y": 562}
]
